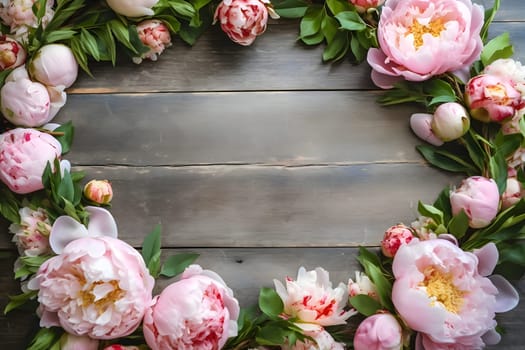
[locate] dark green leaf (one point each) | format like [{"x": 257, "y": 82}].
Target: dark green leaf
[
  {"x": 59, "y": 35},
  {"x": 499, "y": 47},
  {"x": 65, "y": 188},
  {"x": 489, "y": 16},
  {"x": 446, "y": 160},
  {"x": 458, "y": 225},
  {"x": 475, "y": 150},
  {"x": 270, "y": 302},
  {"x": 176, "y": 264},
  {"x": 18, "y": 300},
  {"x": 350, "y": 20},
  {"x": 151, "y": 251},
  {"x": 67, "y": 138},
  {"x": 358, "y": 51},
  {"x": 311, "y": 22},
  {"x": 329, "y": 27},
  {"x": 183, "y": 8},
  {"x": 45, "y": 338},
  {"x": 337, "y": 48},
  {"x": 430, "y": 212},
  {"x": 89, "y": 44},
  {"x": 271, "y": 335},
  {"x": 313, "y": 39},
  {"x": 290, "y": 8},
  {"x": 365, "y": 304},
  {"x": 443, "y": 203},
  {"x": 498, "y": 171},
  {"x": 9, "y": 206},
  {"x": 337, "y": 6}
]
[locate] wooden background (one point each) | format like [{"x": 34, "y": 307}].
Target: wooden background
[{"x": 262, "y": 159}]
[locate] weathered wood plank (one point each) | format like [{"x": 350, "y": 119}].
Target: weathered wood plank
[
  {"x": 292, "y": 128},
  {"x": 276, "y": 61},
  {"x": 245, "y": 271},
  {"x": 263, "y": 206}
]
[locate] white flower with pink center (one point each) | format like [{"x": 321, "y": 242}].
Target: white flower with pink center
[{"x": 32, "y": 233}]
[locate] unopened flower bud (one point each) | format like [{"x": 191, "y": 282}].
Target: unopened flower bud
[
  {"x": 450, "y": 121},
  {"x": 99, "y": 191},
  {"x": 54, "y": 65},
  {"x": 394, "y": 238},
  {"x": 12, "y": 54},
  {"x": 421, "y": 126}
]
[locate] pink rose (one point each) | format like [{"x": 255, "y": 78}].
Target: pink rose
[
  {"x": 421, "y": 39},
  {"x": 362, "y": 5},
  {"x": 73, "y": 342},
  {"x": 311, "y": 298},
  {"x": 32, "y": 233},
  {"x": 513, "y": 193},
  {"x": 322, "y": 339},
  {"x": 12, "y": 54},
  {"x": 24, "y": 154},
  {"x": 133, "y": 8},
  {"x": 197, "y": 312},
  {"x": 99, "y": 191},
  {"x": 450, "y": 121},
  {"x": 479, "y": 198},
  {"x": 379, "y": 332},
  {"x": 492, "y": 98},
  {"x": 394, "y": 238},
  {"x": 98, "y": 287},
  {"x": 362, "y": 285},
  {"x": 441, "y": 291},
  {"x": 421, "y": 125},
  {"x": 155, "y": 35},
  {"x": 54, "y": 65},
  {"x": 242, "y": 20}
]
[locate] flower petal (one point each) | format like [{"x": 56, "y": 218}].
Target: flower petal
[
  {"x": 101, "y": 223},
  {"x": 507, "y": 297},
  {"x": 491, "y": 337},
  {"x": 64, "y": 231},
  {"x": 488, "y": 258}
]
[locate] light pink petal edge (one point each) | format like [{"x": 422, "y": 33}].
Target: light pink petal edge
[
  {"x": 65, "y": 230},
  {"x": 507, "y": 297},
  {"x": 101, "y": 223}
]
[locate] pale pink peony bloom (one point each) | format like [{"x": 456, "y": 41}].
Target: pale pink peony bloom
[
  {"x": 421, "y": 125},
  {"x": 311, "y": 298},
  {"x": 512, "y": 125},
  {"x": 379, "y": 332},
  {"x": 133, "y": 8},
  {"x": 18, "y": 14},
  {"x": 197, "y": 312},
  {"x": 155, "y": 35},
  {"x": 24, "y": 154},
  {"x": 421, "y": 39},
  {"x": 323, "y": 339},
  {"x": 24, "y": 102},
  {"x": 510, "y": 69},
  {"x": 99, "y": 191},
  {"x": 31, "y": 235},
  {"x": 12, "y": 54},
  {"x": 362, "y": 285},
  {"x": 98, "y": 287},
  {"x": 74, "y": 342},
  {"x": 242, "y": 20},
  {"x": 54, "y": 65},
  {"x": 121, "y": 347},
  {"x": 363, "y": 5},
  {"x": 492, "y": 98},
  {"x": 395, "y": 237},
  {"x": 513, "y": 193},
  {"x": 450, "y": 121},
  {"x": 479, "y": 198},
  {"x": 441, "y": 291}
]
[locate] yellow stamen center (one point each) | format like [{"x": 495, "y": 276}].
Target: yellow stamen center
[
  {"x": 434, "y": 28},
  {"x": 440, "y": 288},
  {"x": 88, "y": 296}
]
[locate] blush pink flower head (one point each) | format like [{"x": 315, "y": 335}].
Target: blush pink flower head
[
  {"x": 419, "y": 39},
  {"x": 363, "y": 5},
  {"x": 379, "y": 332},
  {"x": 394, "y": 238},
  {"x": 98, "y": 287},
  {"x": 442, "y": 292},
  {"x": 54, "y": 65},
  {"x": 197, "y": 312},
  {"x": 18, "y": 14},
  {"x": 133, "y": 8},
  {"x": 155, "y": 35},
  {"x": 32, "y": 233},
  {"x": 12, "y": 54},
  {"x": 311, "y": 299},
  {"x": 24, "y": 154}
]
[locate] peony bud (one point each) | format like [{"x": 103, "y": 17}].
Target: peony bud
[
  {"x": 99, "y": 191},
  {"x": 155, "y": 35},
  {"x": 23, "y": 102},
  {"x": 379, "y": 332},
  {"x": 421, "y": 126},
  {"x": 12, "y": 54},
  {"x": 74, "y": 342},
  {"x": 492, "y": 98},
  {"x": 479, "y": 198},
  {"x": 133, "y": 8},
  {"x": 54, "y": 65},
  {"x": 394, "y": 238},
  {"x": 121, "y": 347},
  {"x": 450, "y": 121},
  {"x": 363, "y": 5},
  {"x": 508, "y": 68},
  {"x": 513, "y": 193}
]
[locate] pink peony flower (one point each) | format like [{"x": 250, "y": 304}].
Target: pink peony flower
[
  {"x": 99, "y": 191},
  {"x": 421, "y": 39},
  {"x": 513, "y": 193},
  {"x": 479, "y": 198},
  {"x": 133, "y": 8},
  {"x": 197, "y": 312},
  {"x": 73, "y": 342},
  {"x": 12, "y": 54},
  {"x": 311, "y": 298},
  {"x": 421, "y": 125},
  {"x": 379, "y": 332},
  {"x": 242, "y": 20},
  {"x": 18, "y": 14},
  {"x": 23, "y": 102},
  {"x": 394, "y": 238},
  {"x": 362, "y": 5},
  {"x": 508, "y": 69},
  {"x": 441, "y": 291},
  {"x": 323, "y": 339},
  {"x": 155, "y": 35},
  {"x": 98, "y": 287},
  {"x": 32, "y": 233},
  {"x": 450, "y": 121},
  {"x": 24, "y": 154},
  {"x": 54, "y": 65},
  {"x": 492, "y": 98},
  {"x": 362, "y": 285}
]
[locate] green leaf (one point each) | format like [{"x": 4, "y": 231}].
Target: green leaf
[
  {"x": 311, "y": 22},
  {"x": 151, "y": 251},
  {"x": 440, "y": 91},
  {"x": 445, "y": 160},
  {"x": 313, "y": 39},
  {"x": 337, "y": 6},
  {"x": 270, "y": 302},
  {"x": 67, "y": 138},
  {"x": 442, "y": 203},
  {"x": 499, "y": 47},
  {"x": 498, "y": 171},
  {"x": 176, "y": 264},
  {"x": 329, "y": 27},
  {"x": 183, "y": 8},
  {"x": 271, "y": 335},
  {"x": 9, "y": 206},
  {"x": 290, "y": 8},
  {"x": 374, "y": 271},
  {"x": 18, "y": 300},
  {"x": 365, "y": 304},
  {"x": 45, "y": 338},
  {"x": 431, "y": 212},
  {"x": 58, "y": 35},
  {"x": 65, "y": 188},
  {"x": 475, "y": 150},
  {"x": 458, "y": 225},
  {"x": 121, "y": 32},
  {"x": 489, "y": 16},
  {"x": 89, "y": 44},
  {"x": 358, "y": 51},
  {"x": 350, "y": 20},
  {"x": 337, "y": 48}
]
